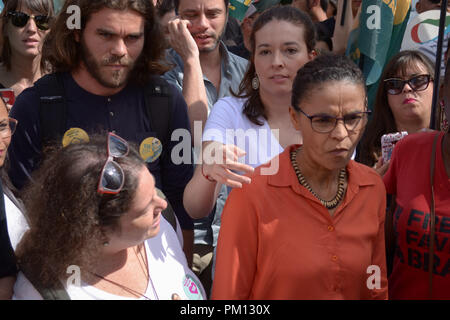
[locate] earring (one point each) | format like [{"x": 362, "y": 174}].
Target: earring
[{"x": 255, "y": 82}]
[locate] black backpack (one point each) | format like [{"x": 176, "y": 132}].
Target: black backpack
[{"x": 53, "y": 122}]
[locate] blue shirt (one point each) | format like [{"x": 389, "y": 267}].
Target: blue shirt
[
  {"x": 233, "y": 69},
  {"x": 123, "y": 113}
]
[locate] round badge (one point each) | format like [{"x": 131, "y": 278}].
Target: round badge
[
  {"x": 150, "y": 149},
  {"x": 74, "y": 135},
  {"x": 192, "y": 288}
]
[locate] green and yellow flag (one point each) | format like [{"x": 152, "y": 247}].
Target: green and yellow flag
[
  {"x": 238, "y": 8},
  {"x": 377, "y": 37}
]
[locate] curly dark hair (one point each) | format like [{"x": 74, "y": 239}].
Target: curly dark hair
[
  {"x": 326, "y": 67},
  {"x": 44, "y": 7},
  {"x": 253, "y": 107},
  {"x": 68, "y": 217},
  {"x": 64, "y": 53},
  {"x": 383, "y": 120}
]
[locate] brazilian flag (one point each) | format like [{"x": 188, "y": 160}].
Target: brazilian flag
[{"x": 377, "y": 37}]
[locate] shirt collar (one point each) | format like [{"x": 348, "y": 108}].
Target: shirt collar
[
  {"x": 225, "y": 57},
  {"x": 285, "y": 177}
]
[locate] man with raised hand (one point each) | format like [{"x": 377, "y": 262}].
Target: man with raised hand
[{"x": 204, "y": 72}]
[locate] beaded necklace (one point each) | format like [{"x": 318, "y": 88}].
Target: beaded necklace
[{"x": 301, "y": 179}]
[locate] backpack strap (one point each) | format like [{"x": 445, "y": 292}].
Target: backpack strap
[
  {"x": 52, "y": 107},
  {"x": 158, "y": 103},
  {"x": 55, "y": 293}
]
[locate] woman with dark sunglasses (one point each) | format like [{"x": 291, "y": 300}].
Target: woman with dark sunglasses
[
  {"x": 419, "y": 178},
  {"x": 24, "y": 25},
  {"x": 403, "y": 103},
  {"x": 96, "y": 230}
]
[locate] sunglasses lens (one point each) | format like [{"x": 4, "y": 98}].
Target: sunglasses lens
[
  {"x": 42, "y": 22},
  {"x": 394, "y": 86},
  {"x": 112, "y": 178},
  {"x": 19, "y": 19},
  {"x": 117, "y": 146},
  {"x": 420, "y": 82}
]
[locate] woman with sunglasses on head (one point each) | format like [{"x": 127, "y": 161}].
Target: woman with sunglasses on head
[
  {"x": 96, "y": 230},
  {"x": 419, "y": 178},
  {"x": 24, "y": 25},
  {"x": 403, "y": 103},
  {"x": 315, "y": 228}
]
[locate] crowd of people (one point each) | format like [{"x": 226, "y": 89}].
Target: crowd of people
[{"x": 167, "y": 150}]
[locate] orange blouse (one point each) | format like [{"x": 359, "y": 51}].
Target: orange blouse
[{"x": 277, "y": 241}]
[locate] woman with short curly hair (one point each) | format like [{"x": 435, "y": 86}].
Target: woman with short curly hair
[{"x": 93, "y": 207}]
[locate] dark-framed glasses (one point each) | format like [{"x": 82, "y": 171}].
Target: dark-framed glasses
[
  {"x": 395, "y": 86},
  {"x": 326, "y": 123},
  {"x": 20, "y": 19},
  {"x": 112, "y": 177},
  {"x": 7, "y": 127}
]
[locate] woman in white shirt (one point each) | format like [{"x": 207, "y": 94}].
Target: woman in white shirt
[
  {"x": 256, "y": 122},
  {"x": 96, "y": 230}
]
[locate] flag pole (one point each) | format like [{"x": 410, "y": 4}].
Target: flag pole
[{"x": 437, "y": 68}]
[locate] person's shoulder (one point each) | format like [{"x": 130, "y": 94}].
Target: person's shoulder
[
  {"x": 416, "y": 143},
  {"x": 237, "y": 59},
  {"x": 230, "y": 103},
  {"x": 363, "y": 173},
  {"x": 26, "y": 104}
]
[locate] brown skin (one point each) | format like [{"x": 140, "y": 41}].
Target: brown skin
[{"x": 323, "y": 155}]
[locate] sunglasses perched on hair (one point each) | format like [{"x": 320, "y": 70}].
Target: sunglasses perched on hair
[
  {"x": 395, "y": 86},
  {"x": 112, "y": 177},
  {"x": 20, "y": 19}
]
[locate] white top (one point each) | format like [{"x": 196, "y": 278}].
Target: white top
[
  {"x": 228, "y": 125},
  {"x": 17, "y": 224},
  {"x": 168, "y": 270}
]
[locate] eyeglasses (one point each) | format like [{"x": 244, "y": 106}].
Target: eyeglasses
[
  {"x": 326, "y": 123},
  {"x": 20, "y": 19},
  {"x": 112, "y": 177},
  {"x": 7, "y": 127},
  {"x": 395, "y": 86}
]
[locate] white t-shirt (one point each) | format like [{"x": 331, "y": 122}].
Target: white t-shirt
[
  {"x": 168, "y": 270},
  {"x": 228, "y": 125},
  {"x": 17, "y": 224}
]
